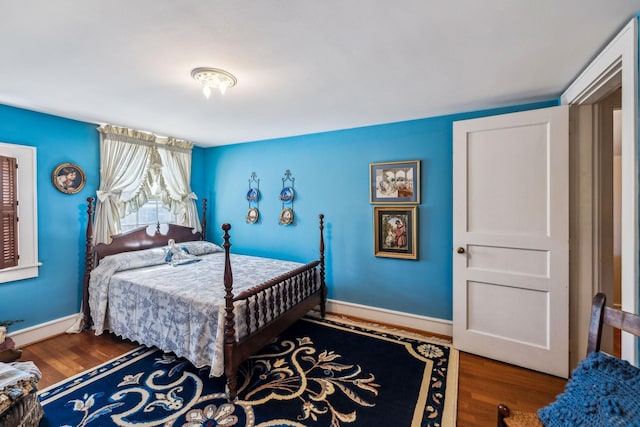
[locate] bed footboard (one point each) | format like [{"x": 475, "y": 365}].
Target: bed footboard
[{"x": 268, "y": 309}]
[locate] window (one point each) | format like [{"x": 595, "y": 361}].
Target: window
[
  {"x": 151, "y": 213},
  {"x": 18, "y": 174},
  {"x": 137, "y": 168}
]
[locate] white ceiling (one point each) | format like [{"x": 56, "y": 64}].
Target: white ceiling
[{"x": 303, "y": 66}]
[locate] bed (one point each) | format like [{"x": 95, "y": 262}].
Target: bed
[{"x": 195, "y": 308}]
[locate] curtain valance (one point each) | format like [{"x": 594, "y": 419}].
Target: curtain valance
[{"x": 145, "y": 138}]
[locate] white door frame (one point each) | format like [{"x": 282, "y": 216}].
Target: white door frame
[{"x": 615, "y": 66}]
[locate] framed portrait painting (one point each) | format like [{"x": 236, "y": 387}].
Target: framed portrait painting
[
  {"x": 68, "y": 178},
  {"x": 395, "y": 182},
  {"x": 396, "y": 231}
]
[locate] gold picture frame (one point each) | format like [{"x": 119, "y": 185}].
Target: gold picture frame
[
  {"x": 395, "y": 182},
  {"x": 395, "y": 231},
  {"x": 68, "y": 178}
]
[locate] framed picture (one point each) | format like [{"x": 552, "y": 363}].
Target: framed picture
[
  {"x": 68, "y": 178},
  {"x": 395, "y": 182},
  {"x": 396, "y": 231}
]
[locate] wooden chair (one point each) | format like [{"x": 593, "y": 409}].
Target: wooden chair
[{"x": 600, "y": 315}]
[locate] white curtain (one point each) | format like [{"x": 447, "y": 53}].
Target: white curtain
[
  {"x": 132, "y": 163},
  {"x": 176, "y": 174}
]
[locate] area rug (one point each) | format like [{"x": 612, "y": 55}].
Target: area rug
[{"x": 319, "y": 372}]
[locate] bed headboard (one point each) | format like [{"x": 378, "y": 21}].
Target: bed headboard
[
  {"x": 139, "y": 239},
  {"x": 133, "y": 240}
]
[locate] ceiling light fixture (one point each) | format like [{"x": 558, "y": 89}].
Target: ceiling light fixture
[{"x": 213, "y": 78}]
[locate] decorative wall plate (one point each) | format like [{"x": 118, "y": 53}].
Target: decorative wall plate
[
  {"x": 286, "y": 216},
  {"x": 252, "y": 215},
  {"x": 253, "y": 194},
  {"x": 286, "y": 195}
]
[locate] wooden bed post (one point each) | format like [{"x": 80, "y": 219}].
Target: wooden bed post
[
  {"x": 203, "y": 223},
  {"x": 88, "y": 266},
  {"x": 230, "y": 368},
  {"x": 323, "y": 303}
]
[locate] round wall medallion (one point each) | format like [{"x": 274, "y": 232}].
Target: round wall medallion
[
  {"x": 252, "y": 215},
  {"x": 68, "y": 178},
  {"x": 286, "y": 216},
  {"x": 253, "y": 194},
  {"x": 286, "y": 195}
]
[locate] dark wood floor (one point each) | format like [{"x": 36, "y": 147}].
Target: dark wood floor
[{"x": 482, "y": 383}]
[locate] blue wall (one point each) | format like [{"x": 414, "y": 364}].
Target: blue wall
[
  {"x": 62, "y": 217},
  {"x": 332, "y": 177},
  {"x": 331, "y": 172},
  {"x": 198, "y": 175}
]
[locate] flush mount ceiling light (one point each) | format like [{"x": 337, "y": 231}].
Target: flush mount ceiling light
[{"x": 213, "y": 78}]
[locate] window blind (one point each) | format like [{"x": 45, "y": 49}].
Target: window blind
[{"x": 8, "y": 212}]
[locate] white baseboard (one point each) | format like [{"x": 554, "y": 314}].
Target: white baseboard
[
  {"x": 391, "y": 317},
  {"x": 45, "y": 330}
]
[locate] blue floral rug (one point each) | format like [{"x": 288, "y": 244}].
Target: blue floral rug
[{"x": 317, "y": 373}]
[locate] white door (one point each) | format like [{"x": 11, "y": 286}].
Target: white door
[{"x": 510, "y": 236}]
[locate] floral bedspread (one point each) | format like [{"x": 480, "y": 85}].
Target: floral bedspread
[{"x": 180, "y": 309}]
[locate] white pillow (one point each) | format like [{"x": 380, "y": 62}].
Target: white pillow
[{"x": 200, "y": 247}]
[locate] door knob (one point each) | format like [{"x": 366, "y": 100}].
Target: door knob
[{"x": 460, "y": 250}]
